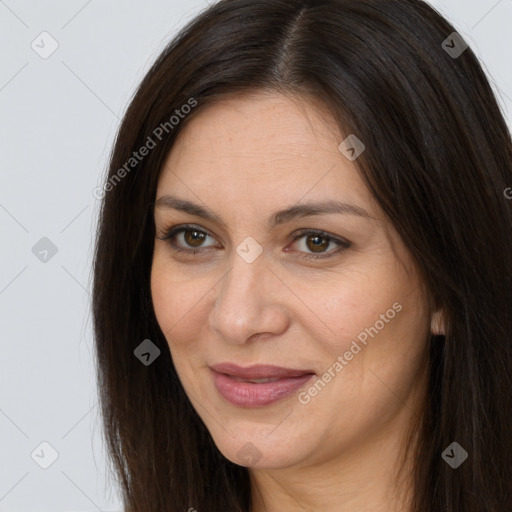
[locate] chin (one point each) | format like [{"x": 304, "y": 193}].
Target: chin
[{"x": 262, "y": 449}]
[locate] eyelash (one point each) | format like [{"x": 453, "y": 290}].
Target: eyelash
[{"x": 170, "y": 233}]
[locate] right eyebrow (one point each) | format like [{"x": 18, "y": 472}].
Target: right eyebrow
[{"x": 279, "y": 217}]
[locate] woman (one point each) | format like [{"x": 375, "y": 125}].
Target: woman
[{"x": 303, "y": 270}]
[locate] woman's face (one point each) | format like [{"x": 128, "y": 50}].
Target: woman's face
[{"x": 346, "y": 305}]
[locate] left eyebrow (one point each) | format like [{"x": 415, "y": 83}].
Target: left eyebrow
[{"x": 279, "y": 217}]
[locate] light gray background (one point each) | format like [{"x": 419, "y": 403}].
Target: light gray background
[{"x": 58, "y": 119}]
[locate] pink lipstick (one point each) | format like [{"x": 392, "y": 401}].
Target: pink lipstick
[{"x": 258, "y": 385}]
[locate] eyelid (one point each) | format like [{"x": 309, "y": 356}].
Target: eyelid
[
  {"x": 319, "y": 232},
  {"x": 170, "y": 232}
]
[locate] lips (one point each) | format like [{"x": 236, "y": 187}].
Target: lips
[
  {"x": 258, "y": 371},
  {"x": 259, "y": 385}
]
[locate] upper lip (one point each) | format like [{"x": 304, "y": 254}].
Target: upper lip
[{"x": 258, "y": 371}]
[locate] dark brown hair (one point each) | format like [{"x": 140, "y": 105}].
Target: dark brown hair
[{"x": 438, "y": 158}]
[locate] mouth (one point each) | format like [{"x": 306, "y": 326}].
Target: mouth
[
  {"x": 258, "y": 371},
  {"x": 258, "y": 385}
]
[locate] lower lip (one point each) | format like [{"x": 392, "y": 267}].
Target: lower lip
[{"x": 248, "y": 394}]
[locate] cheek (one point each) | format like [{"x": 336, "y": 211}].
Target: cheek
[
  {"x": 177, "y": 309},
  {"x": 373, "y": 363},
  {"x": 347, "y": 304},
  {"x": 383, "y": 344},
  {"x": 176, "y": 304},
  {"x": 378, "y": 319}
]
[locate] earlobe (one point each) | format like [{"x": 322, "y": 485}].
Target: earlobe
[{"x": 437, "y": 323}]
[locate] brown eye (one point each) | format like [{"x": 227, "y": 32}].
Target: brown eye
[
  {"x": 186, "y": 238},
  {"x": 193, "y": 238},
  {"x": 189, "y": 239},
  {"x": 317, "y": 243}
]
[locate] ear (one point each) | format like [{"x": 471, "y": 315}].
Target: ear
[{"x": 437, "y": 323}]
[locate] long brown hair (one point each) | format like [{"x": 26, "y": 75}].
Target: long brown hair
[{"x": 438, "y": 159}]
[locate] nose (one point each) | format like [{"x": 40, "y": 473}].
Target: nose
[{"x": 250, "y": 302}]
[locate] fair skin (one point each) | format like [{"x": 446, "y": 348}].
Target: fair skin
[{"x": 245, "y": 158}]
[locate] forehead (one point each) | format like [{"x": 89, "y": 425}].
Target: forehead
[
  {"x": 262, "y": 144},
  {"x": 283, "y": 124}
]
